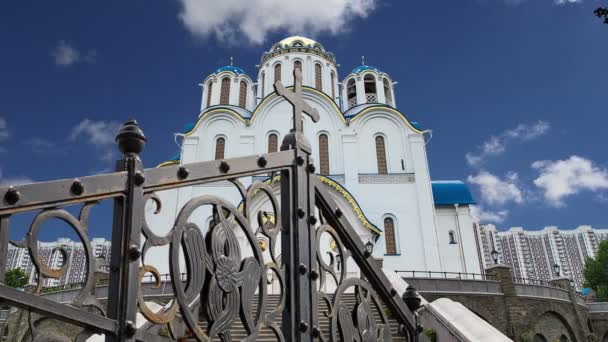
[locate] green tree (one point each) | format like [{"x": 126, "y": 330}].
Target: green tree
[
  {"x": 15, "y": 278},
  {"x": 596, "y": 271}
]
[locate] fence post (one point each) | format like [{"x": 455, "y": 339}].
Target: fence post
[{"x": 126, "y": 235}]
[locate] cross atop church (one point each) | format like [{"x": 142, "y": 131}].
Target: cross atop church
[{"x": 297, "y": 101}]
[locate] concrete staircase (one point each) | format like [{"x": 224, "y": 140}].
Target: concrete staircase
[{"x": 238, "y": 331}]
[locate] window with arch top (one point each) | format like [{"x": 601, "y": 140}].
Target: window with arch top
[
  {"x": 220, "y": 147},
  {"x": 277, "y": 72},
  {"x": 333, "y": 80},
  {"x": 369, "y": 84},
  {"x": 297, "y": 65},
  {"x": 381, "y": 155},
  {"x": 243, "y": 94},
  {"x": 225, "y": 91},
  {"x": 209, "y": 88},
  {"x": 387, "y": 92},
  {"x": 351, "y": 93},
  {"x": 273, "y": 142},
  {"x": 318, "y": 77},
  {"x": 452, "y": 237},
  {"x": 389, "y": 236},
  {"x": 324, "y": 154},
  {"x": 263, "y": 84}
]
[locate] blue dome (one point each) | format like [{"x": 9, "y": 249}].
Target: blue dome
[
  {"x": 362, "y": 68},
  {"x": 230, "y": 68}
]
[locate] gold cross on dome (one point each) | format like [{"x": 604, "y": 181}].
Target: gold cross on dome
[{"x": 297, "y": 101}]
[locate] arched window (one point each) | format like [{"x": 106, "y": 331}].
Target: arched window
[
  {"x": 318, "y": 77},
  {"x": 243, "y": 94},
  {"x": 277, "y": 72},
  {"x": 351, "y": 93},
  {"x": 369, "y": 83},
  {"x": 333, "y": 81},
  {"x": 452, "y": 237},
  {"x": 225, "y": 91},
  {"x": 324, "y": 154},
  {"x": 389, "y": 236},
  {"x": 539, "y": 338},
  {"x": 220, "y": 147},
  {"x": 381, "y": 155},
  {"x": 209, "y": 88},
  {"x": 387, "y": 92},
  {"x": 263, "y": 84},
  {"x": 273, "y": 143},
  {"x": 297, "y": 65}
]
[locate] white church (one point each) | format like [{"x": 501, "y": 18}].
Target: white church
[{"x": 367, "y": 152}]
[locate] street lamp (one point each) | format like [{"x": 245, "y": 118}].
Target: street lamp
[
  {"x": 369, "y": 248},
  {"x": 494, "y": 254},
  {"x": 411, "y": 298},
  {"x": 556, "y": 269}
]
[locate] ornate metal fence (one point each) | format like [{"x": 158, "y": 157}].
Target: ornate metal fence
[{"x": 222, "y": 288}]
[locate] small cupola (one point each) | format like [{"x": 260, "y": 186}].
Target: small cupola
[
  {"x": 228, "y": 85},
  {"x": 367, "y": 84}
]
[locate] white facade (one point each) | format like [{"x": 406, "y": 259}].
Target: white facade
[
  {"x": 433, "y": 231},
  {"x": 532, "y": 254}
]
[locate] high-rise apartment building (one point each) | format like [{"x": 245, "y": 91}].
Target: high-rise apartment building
[
  {"x": 52, "y": 254},
  {"x": 533, "y": 253}
]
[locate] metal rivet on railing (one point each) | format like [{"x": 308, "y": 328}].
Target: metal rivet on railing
[
  {"x": 139, "y": 178},
  {"x": 338, "y": 213},
  {"x": 224, "y": 167},
  {"x": 300, "y": 160},
  {"x": 262, "y": 162},
  {"x": 301, "y": 213},
  {"x": 182, "y": 173},
  {"x": 12, "y": 196},
  {"x": 311, "y": 168},
  {"x": 312, "y": 220},
  {"x": 303, "y": 326},
  {"x": 130, "y": 329},
  {"x": 77, "y": 188},
  {"x": 302, "y": 268}
]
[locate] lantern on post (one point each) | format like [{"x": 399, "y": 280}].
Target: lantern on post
[{"x": 494, "y": 254}]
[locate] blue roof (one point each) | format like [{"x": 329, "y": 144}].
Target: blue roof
[
  {"x": 230, "y": 68},
  {"x": 362, "y": 68},
  {"x": 451, "y": 192}
]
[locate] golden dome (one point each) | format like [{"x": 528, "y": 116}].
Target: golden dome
[{"x": 290, "y": 40}]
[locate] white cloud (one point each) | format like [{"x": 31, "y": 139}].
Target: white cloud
[
  {"x": 13, "y": 180},
  {"x": 497, "y": 191},
  {"x": 228, "y": 20},
  {"x": 565, "y": 2},
  {"x": 482, "y": 215},
  {"x": 65, "y": 55},
  {"x": 97, "y": 133},
  {"x": 562, "y": 178},
  {"x": 497, "y": 145}
]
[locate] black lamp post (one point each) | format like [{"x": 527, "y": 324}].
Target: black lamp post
[
  {"x": 411, "y": 298},
  {"x": 369, "y": 248},
  {"x": 556, "y": 269},
  {"x": 494, "y": 254}
]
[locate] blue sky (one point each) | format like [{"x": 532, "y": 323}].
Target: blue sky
[{"x": 514, "y": 91}]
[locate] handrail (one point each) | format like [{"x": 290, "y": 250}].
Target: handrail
[
  {"x": 537, "y": 282},
  {"x": 447, "y": 275}
]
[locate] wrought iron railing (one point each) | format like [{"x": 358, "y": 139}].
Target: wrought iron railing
[{"x": 445, "y": 275}]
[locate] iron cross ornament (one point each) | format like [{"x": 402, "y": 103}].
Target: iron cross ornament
[{"x": 297, "y": 101}]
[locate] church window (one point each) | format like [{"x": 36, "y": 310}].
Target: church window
[
  {"x": 220, "y": 146},
  {"x": 273, "y": 143},
  {"x": 277, "y": 72},
  {"x": 209, "y": 88},
  {"x": 324, "y": 154},
  {"x": 452, "y": 237},
  {"x": 263, "y": 83},
  {"x": 333, "y": 90},
  {"x": 389, "y": 236},
  {"x": 318, "y": 77},
  {"x": 243, "y": 94},
  {"x": 225, "y": 91},
  {"x": 351, "y": 93},
  {"x": 297, "y": 65},
  {"x": 369, "y": 83},
  {"x": 381, "y": 155},
  {"x": 387, "y": 92}
]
